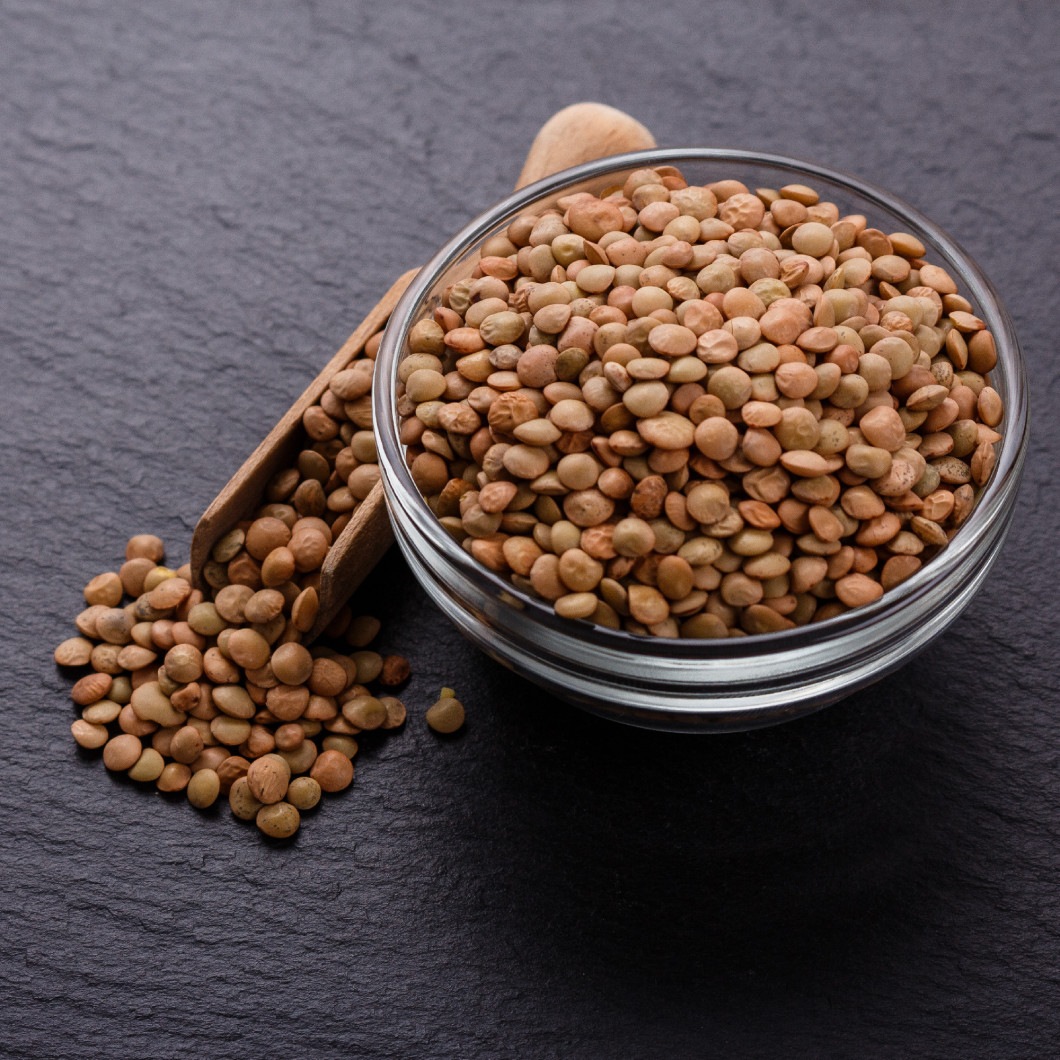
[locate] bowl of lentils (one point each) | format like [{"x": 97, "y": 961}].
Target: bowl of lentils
[{"x": 701, "y": 439}]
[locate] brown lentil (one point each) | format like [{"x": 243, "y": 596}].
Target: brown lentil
[
  {"x": 279, "y": 820},
  {"x": 187, "y": 744},
  {"x": 104, "y": 590},
  {"x": 173, "y": 778},
  {"x": 333, "y": 771},
  {"x": 395, "y": 671},
  {"x": 365, "y": 712},
  {"x": 447, "y": 714},
  {"x": 74, "y": 652},
  {"x": 148, "y": 767},
  {"x": 122, "y": 752},
  {"x": 395, "y": 713},
  {"x": 230, "y": 770},
  {"x": 88, "y": 734},
  {"x": 91, "y": 688},
  {"x": 268, "y": 777},
  {"x": 304, "y": 793},
  {"x": 241, "y": 800}
]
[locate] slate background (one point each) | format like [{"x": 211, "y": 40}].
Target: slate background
[{"x": 198, "y": 201}]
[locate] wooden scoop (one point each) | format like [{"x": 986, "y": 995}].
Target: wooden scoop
[{"x": 580, "y": 133}]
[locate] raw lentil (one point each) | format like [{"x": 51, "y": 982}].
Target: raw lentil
[
  {"x": 304, "y": 793},
  {"x": 268, "y": 777},
  {"x": 148, "y": 766},
  {"x": 279, "y": 820},
  {"x": 203, "y": 788},
  {"x": 122, "y": 752},
  {"x": 395, "y": 714},
  {"x": 88, "y": 734},
  {"x": 241, "y": 800},
  {"x": 447, "y": 714},
  {"x": 365, "y": 712},
  {"x": 332, "y": 771},
  {"x": 173, "y": 778}
]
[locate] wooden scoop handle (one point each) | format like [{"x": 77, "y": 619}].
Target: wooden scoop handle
[
  {"x": 582, "y": 132},
  {"x": 579, "y": 133}
]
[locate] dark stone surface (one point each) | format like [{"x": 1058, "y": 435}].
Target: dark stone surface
[{"x": 198, "y": 202}]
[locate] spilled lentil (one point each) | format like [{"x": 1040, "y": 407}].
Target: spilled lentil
[{"x": 216, "y": 695}]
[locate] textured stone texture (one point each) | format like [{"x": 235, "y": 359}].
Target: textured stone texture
[{"x": 190, "y": 196}]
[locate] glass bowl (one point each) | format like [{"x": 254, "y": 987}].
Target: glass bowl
[{"x": 702, "y": 685}]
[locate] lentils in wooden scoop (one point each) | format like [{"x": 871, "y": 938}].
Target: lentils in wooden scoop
[
  {"x": 700, "y": 411},
  {"x": 219, "y": 696}
]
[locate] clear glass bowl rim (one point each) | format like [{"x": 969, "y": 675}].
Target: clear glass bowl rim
[{"x": 973, "y": 283}]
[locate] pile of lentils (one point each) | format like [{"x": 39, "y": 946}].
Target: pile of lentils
[
  {"x": 700, "y": 411},
  {"x": 219, "y": 697}
]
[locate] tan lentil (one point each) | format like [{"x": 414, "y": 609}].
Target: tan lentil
[
  {"x": 148, "y": 767},
  {"x": 74, "y": 652},
  {"x": 304, "y": 793},
  {"x": 279, "y": 820},
  {"x": 447, "y": 714},
  {"x": 122, "y": 752},
  {"x": 88, "y": 734},
  {"x": 332, "y": 770},
  {"x": 173, "y": 778},
  {"x": 241, "y": 800},
  {"x": 269, "y": 777}
]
